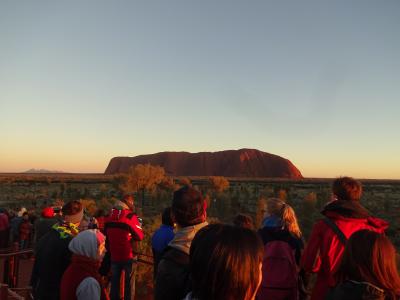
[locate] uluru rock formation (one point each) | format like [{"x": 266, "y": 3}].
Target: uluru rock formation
[{"x": 230, "y": 163}]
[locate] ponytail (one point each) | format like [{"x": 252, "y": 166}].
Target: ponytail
[
  {"x": 289, "y": 220},
  {"x": 286, "y": 213}
]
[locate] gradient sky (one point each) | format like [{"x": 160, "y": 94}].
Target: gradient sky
[{"x": 317, "y": 82}]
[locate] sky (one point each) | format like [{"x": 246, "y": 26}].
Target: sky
[{"x": 317, "y": 82}]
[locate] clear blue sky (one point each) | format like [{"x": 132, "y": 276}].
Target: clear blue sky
[{"x": 317, "y": 82}]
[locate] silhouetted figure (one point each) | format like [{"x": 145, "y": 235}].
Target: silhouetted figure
[
  {"x": 44, "y": 224},
  {"x": 162, "y": 237},
  {"x": 4, "y": 229},
  {"x": 189, "y": 213},
  {"x": 25, "y": 229},
  {"x": 243, "y": 220},
  {"x": 52, "y": 256}
]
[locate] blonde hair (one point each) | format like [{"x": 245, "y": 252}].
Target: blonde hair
[{"x": 279, "y": 208}]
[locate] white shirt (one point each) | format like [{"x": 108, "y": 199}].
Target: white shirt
[{"x": 88, "y": 289}]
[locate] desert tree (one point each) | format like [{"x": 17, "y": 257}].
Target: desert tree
[
  {"x": 142, "y": 178},
  {"x": 218, "y": 183},
  {"x": 168, "y": 184},
  {"x": 260, "y": 211},
  {"x": 282, "y": 194},
  {"x": 58, "y": 202},
  {"x": 307, "y": 212},
  {"x": 89, "y": 205}
]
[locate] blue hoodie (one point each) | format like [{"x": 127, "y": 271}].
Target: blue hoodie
[{"x": 162, "y": 237}]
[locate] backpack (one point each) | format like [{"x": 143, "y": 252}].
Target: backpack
[{"x": 279, "y": 268}]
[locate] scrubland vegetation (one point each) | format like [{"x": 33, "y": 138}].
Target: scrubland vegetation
[{"x": 225, "y": 198}]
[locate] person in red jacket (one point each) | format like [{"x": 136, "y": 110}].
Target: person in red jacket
[
  {"x": 123, "y": 230},
  {"x": 342, "y": 217},
  {"x": 4, "y": 228},
  {"x": 25, "y": 229}
]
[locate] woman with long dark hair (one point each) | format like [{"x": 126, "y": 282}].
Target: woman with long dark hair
[
  {"x": 225, "y": 263},
  {"x": 368, "y": 269}
]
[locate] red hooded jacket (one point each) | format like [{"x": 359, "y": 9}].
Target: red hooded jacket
[
  {"x": 324, "y": 249},
  {"x": 122, "y": 229},
  {"x": 80, "y": 268}
]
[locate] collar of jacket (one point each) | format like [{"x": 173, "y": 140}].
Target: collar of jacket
[
  {"x": 184, "y": 237},
  {"x": 346, "y": 208}
]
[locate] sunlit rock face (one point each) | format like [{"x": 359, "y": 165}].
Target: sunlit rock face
[{"x": 249, "y": 163}]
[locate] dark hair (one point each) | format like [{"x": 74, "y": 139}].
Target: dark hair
[
  {"x": 100, "y": 213},
  {"x": 225, "y": 262},
  {"x": 166, "y": 217},
  {"x": 243, "y": 220},
  {"x": 128, "y": 198},
  {"x": 347, "y": 188},
  {"x": 370, "y": 257},
  {"x": 188, "y": 206},
  {"x": 71, "y": 208}
]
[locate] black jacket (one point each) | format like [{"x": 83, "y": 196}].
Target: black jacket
[
  {"x": 354, "y": 290},
  {"x": 52, "y": 257},
  {"x": 173, "y": 275}
]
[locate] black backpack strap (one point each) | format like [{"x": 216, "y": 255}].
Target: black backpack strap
[
  {"x": 336, "y": 230},
  {"x": 130, "y": 215}
]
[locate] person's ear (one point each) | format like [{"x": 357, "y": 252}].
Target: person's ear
[{"x": 173, "y": 217}]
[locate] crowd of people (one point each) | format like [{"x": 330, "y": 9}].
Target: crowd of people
[{"x": 193, "y": 260}]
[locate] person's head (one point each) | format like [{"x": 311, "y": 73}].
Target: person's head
[
  {"x": 73, "y": 212},
  {"x": 129, "y": 201},
  {"x": 278, "y": 208},
  {"x": 243, "y": 220},
  {"x": 225, "y": 263},
  {"x": 57, "y": 210},
  {"x": 370, "y": 257},
  {"x": 166, "y": 217},
  {"x": 347, "y": 188},
  {"x": 188, "y": 207},
  {"x": 47, "y": 212},
  {"x": 100, "y": 213},
  {"x": 21, "y": 211},
  {"x": 25, "y": 216},
  {"x": 89, "y": 243}
]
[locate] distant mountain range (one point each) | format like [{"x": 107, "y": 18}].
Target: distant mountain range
[
  {"x": 42, "y": 171},
  {"x": 250, "y": 163}
]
